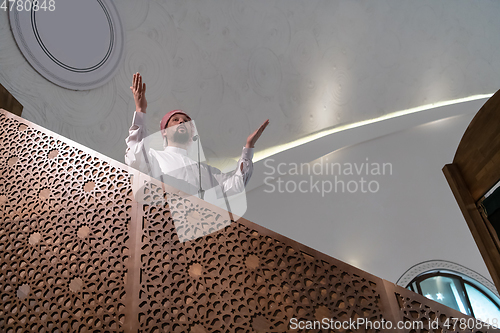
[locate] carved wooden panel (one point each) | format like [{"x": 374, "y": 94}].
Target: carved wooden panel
[
  {"x": 429, "y": 316},
  {"x": 241, "y": 280},
  {"x": 64, "y": 236},
  {"x": 89, "y": 245}
]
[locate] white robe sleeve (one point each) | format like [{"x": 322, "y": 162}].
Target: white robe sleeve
[
  {"x": 135, "y": 155},
  {"x": 235, "y": 182}
]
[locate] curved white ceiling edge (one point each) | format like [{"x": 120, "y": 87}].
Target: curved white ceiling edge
[
  {"x": 314, "y": 146},
  {"x": 75, "y": 44},
  {"x": 443, "y": 265},
  {"x": 280, "y": 148}
]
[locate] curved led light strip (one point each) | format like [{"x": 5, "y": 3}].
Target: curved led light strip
[{"x": 265, "y": 153}]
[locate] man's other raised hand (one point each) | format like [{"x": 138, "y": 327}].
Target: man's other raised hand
[{"x": 139, "y": 90}]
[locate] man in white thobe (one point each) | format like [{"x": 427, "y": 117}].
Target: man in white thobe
[{"x": 173, "y": 165}]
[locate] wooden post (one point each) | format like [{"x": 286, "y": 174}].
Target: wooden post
[
  {"x": 482, "y": 231},
  {"x": 9, "y": 103}
]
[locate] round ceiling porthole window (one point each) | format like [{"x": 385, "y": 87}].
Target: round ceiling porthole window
[
  {"x": 75, "y": 44},
  {"x": 456, "y": 287}
]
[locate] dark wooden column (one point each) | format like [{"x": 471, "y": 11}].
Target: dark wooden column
[
  {"x": 9, "y": 103},
  {"x": 475, "y": 169}
]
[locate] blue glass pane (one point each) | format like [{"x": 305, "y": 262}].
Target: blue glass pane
[
  {"x": 484, "y": 309},
  {"x": 447, "y": 291}
]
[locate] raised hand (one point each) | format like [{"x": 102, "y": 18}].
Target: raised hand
[
  {"x": 252, "y": 138},
  {"x": 139, "y": 90}
]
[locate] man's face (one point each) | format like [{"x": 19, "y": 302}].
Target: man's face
[{"x": 179, "y": 129}]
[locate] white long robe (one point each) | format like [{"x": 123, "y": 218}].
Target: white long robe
[{"x": 174, "y": 167}]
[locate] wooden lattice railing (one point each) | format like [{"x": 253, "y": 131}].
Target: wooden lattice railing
[{"x": 79, "y": 253}]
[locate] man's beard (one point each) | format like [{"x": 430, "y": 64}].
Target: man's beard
[{"x": 181, "y": 138}]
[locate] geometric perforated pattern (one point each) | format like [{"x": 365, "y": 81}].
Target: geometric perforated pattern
[
  {"x": 436, "y": 318},
  {"x": 238, "y": 280},
  {"x": 63, "y": 235},
  {"x": 79, "y": 253},
  {"x": 192, "y": 218}
]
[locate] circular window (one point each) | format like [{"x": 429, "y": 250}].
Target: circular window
[
  {"x": 455, "y": 289},
  {"x": 75, "y": 44}
]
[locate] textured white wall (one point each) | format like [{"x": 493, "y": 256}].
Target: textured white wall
[{"x": 306, "y": 65}]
